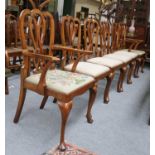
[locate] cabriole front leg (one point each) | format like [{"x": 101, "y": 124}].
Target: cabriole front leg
[
  {"x": 130, "y": 72},
  {"x": 138, "y": 62},
  {"x": 65, "y": 109},
  {"x": 92, "y": 96},
  {"x": 121, "y": 79},
  {"x": 142, "y": 65},
  {"x": 108, "y": 85}
]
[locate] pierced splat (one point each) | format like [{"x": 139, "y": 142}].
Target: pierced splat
[
  {"x": 71, "y": 30},
  {"x": 105, "y": 38},
  {"x": 71, "y": 36},
  {"x": 35, "y": 28},
  {"x": 91, "y": 33}
]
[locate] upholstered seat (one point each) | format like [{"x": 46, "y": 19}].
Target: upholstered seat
[
  {"x": 56, "y": 78},
  {"x": 126, "y": 53},
  {"x": 106, "y": 61},
  {"x": 89, "y": 69},
  {"x": 119, "y": 56},
  {"x": 139, "y": 52}
]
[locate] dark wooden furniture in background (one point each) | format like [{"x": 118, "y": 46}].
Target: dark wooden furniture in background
[
  {"x": 140, "y": 11},
  {"x": 12, "y": 45}
]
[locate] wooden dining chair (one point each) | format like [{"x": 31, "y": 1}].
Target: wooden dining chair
[
  {"x": 71, "y": 36},
  {"x": 134, "y": 43},
  {"x": 47, "y": 80},
  {"x": 102, "y": 46},
  {"x": 109, "y": 55}
]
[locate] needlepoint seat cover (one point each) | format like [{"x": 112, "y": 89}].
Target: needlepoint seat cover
[
  {"x": 89, "y": 69},
  {"x": 62, "y": 81},
  {"x": 105, "y": 61}
]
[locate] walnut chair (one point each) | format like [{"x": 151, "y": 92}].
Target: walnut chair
[
  {"x": 47, "y": 80},
  {"x": 101, "y": 44},
  {"x": 71, "y": 36},
  {"x": 108, "y": 55},
  {"x": 134, "y": 43}
]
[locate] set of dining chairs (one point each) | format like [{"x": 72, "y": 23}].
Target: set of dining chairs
[{"x": 80, "y": 68}]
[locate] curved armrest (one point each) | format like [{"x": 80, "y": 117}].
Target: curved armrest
[
  {"x": 134, "y": 43},
  {"x": 42, "y": 82},
  {"x": 70, "y": 49},
  {"x": 81, "y": 53},
  {"x": 40, "y": 56}
]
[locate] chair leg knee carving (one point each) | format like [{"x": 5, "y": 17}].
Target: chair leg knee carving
[
  {"x": 65, "y": 109},
  {"x": 92, "y": 96},
  {"x": 107, "y": 89}
]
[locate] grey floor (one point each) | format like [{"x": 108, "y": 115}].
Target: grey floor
[{"x": 119, "y": 128}]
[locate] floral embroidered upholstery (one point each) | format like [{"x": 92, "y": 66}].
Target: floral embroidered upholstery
[
  {"x": 62, "y": 81},
  {"x": 89, "y": 69},
  {"x": 105, "y": 61}
]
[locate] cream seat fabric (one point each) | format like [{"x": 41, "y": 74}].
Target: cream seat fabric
[
  {"x": 89, "y": 69},
  {"x": 55, "y": 79},
  {"x": 126, "y": 53},
  {"x": 120, "y": 56},
  {"x": 139, "y": 52},
  {"x": 105, "y": 61}
]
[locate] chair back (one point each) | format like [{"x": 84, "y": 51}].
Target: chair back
[
  {"x": 105, "y": 38},
  {"x": 71, "y": 31},
  {"x": 122, "y": 35},
  {"x": 32, "y": 26},
  {"x": 71, "y": 37},
  {"x": 91, "y": 35}
]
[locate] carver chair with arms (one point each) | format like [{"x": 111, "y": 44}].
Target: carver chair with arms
[{"x": 47, "y": 80}]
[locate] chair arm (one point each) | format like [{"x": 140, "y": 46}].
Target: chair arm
[
  {"x": 70, "y": 49},
  {"x": 81, "y": 53},
  {"x": 41, "y": 87},
  {"x": 40, "y": 56},
  {"x": 134, "y": 43}
]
